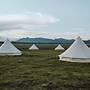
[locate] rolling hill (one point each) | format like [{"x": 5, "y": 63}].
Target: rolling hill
[
  {"x": 44, "y": 40},
  {"x": 48, "y": 41}
]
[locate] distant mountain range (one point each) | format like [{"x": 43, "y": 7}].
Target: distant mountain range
[{"x": 48, "y": 41}]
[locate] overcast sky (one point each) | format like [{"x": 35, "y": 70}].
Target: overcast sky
[{"x": 45, "y": 18}]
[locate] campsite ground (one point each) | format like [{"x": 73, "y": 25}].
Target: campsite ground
[{"x": 41, "y": 70}]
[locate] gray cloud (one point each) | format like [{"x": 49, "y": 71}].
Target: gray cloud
[{"x": 25, "y": 21}]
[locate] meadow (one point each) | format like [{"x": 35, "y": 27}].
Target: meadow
[{"x": 41, "y": 70}]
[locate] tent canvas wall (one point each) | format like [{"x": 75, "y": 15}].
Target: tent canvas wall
[
  {"x": 77, "y": 52},
  {"x": 33, "y": 47},
  {"x": 7, "y": 48},
  {"x": 59, "y": 47}
]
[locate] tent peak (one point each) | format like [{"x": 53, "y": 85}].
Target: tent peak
[{"x": 78, "y": 38}]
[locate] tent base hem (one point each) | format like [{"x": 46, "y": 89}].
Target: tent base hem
[
  {"x": 4, "y": 54},
  {"x": 75, "y": 60}
]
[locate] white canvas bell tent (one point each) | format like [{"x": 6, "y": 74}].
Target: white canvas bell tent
[
  {"x": 59, "y": 47},
  {"x": 33, "y": 47},
  {"x": 77, "y": 52},
  {"x": 7, "y": 48}
]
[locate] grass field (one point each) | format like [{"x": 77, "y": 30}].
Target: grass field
[{"x": 41, "y": 70}]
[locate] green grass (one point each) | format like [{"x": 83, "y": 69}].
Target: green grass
[{"x": 41, "y": 70}]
